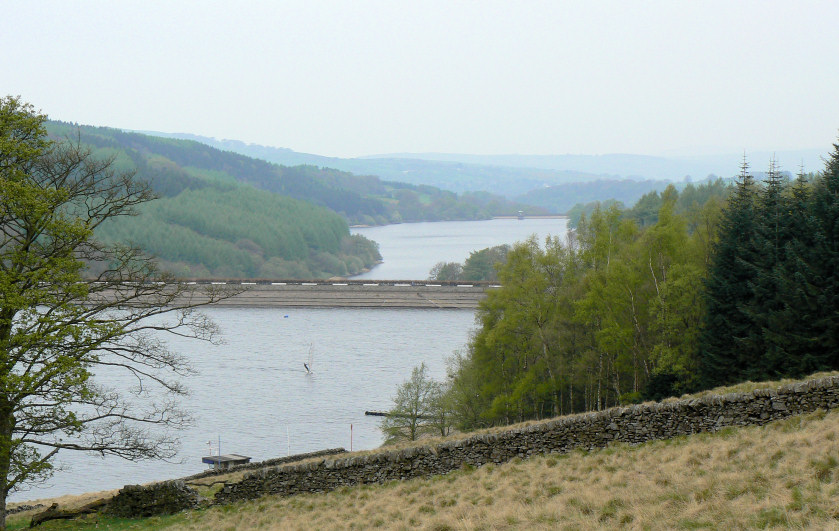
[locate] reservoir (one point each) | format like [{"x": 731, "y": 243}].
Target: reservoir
[
  {"x": 252, "y": 392},
  {"x": 410, "y": 250}
]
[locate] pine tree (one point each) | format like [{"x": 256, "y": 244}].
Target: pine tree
[
  {"x": 821, "y": 265},
  {"x": 724, "y": 352},
  {"x": 767, "y": 304}
]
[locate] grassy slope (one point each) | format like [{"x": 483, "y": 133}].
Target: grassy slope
[{"x": 785, "y": 474}]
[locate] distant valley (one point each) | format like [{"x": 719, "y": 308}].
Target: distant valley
[{"x": 552, "y": 182}]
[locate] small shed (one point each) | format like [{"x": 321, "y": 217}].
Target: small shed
[{"x": 223, "y": 462}]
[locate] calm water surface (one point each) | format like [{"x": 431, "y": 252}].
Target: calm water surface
[
  {"x": 253, "y": 393},
  {"x": 410, "y": 250}
]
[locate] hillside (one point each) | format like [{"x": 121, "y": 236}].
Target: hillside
[
  {"x": 554, "y": 183},
  {"x": 221, "y": 214},
  {"x": 365, "y": 196},
  {"x": 781, "y": 474},
  {"x": 777, "y": 476},
  {"x": 452, "y": 175},
  {"x": 206, "y": 223}
]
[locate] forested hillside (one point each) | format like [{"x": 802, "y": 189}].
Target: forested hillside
[
  {"x": 561, "y": 198},
  {"x": 207, "y": 224},
  {"x": 708, "y": 291},
  {"x": 456, "y": 176},
  {"x": 361, "y": 199},
  {"x": 221, "y": 214}
]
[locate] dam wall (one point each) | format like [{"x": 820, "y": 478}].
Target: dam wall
[
  {"x": 408, "y": 294},
  {"x": 305, "y": 293}
]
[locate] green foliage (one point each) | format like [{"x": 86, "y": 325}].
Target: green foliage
[
  {"x": 774, "y": 282},
  {"x": 684, "y": 291},
  {"x": 56, "y": 330},
  {"x": 484, "y": 264},
  {"x": 688, "y": 201},
  {"x": 209, "y": 224},
  {"x": 446, "y": 271},
  {"x": 173, "y": 165},
  {"x": 418, "y": 409},
  {"x": 480, "y": 265},
  {"x": 606, "y": 318},
  {"x": 223, "y": 214},
  {"x": 235, "y": 233},
  {"x": 579, "y": 210}
]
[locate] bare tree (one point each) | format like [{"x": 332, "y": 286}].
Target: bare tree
[{"x": 71, "y": 305}]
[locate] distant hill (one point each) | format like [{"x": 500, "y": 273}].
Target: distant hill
[
  {"x": 223, "y": 214},
  {"x": 637, "y": 167},
  {"x": 209, "y": 223},
  {"x": 364, "y": 197},
  {"x": 454, "y": 176},
  {"x": 562, "y": 197},
  {"x": 530, "y": 178}
]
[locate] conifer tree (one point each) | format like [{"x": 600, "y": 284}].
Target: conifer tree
[
  {"x": 821, "y": 264},
  {"x": 790, "y": 330},
  {"x": 724, "y": 353},
  {"x": 767, "y": 304}
]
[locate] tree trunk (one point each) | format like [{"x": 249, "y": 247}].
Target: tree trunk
[
  {"x": 54, "y": 513},
  {"x": 5, "y": 462},
  {"x": 599, "y": 380},
  {"x": 3, "y": 507}
]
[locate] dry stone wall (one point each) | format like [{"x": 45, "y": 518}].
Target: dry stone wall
[
  {"x": 635, "y": 424},
  {"x": 168, "y": 497},
  {"x": 262, "y": 464}
]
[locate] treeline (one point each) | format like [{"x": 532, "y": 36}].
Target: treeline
[
  {"x": 483, "y": 264},
  {"x": 773, "y": 287},
  {"x": 645, "y": 210},
  {"x": 480, "y": 265},
  {"x": 627, "y": 310}
]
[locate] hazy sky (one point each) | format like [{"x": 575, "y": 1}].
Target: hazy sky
[{"x": 357, "y": 77}]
